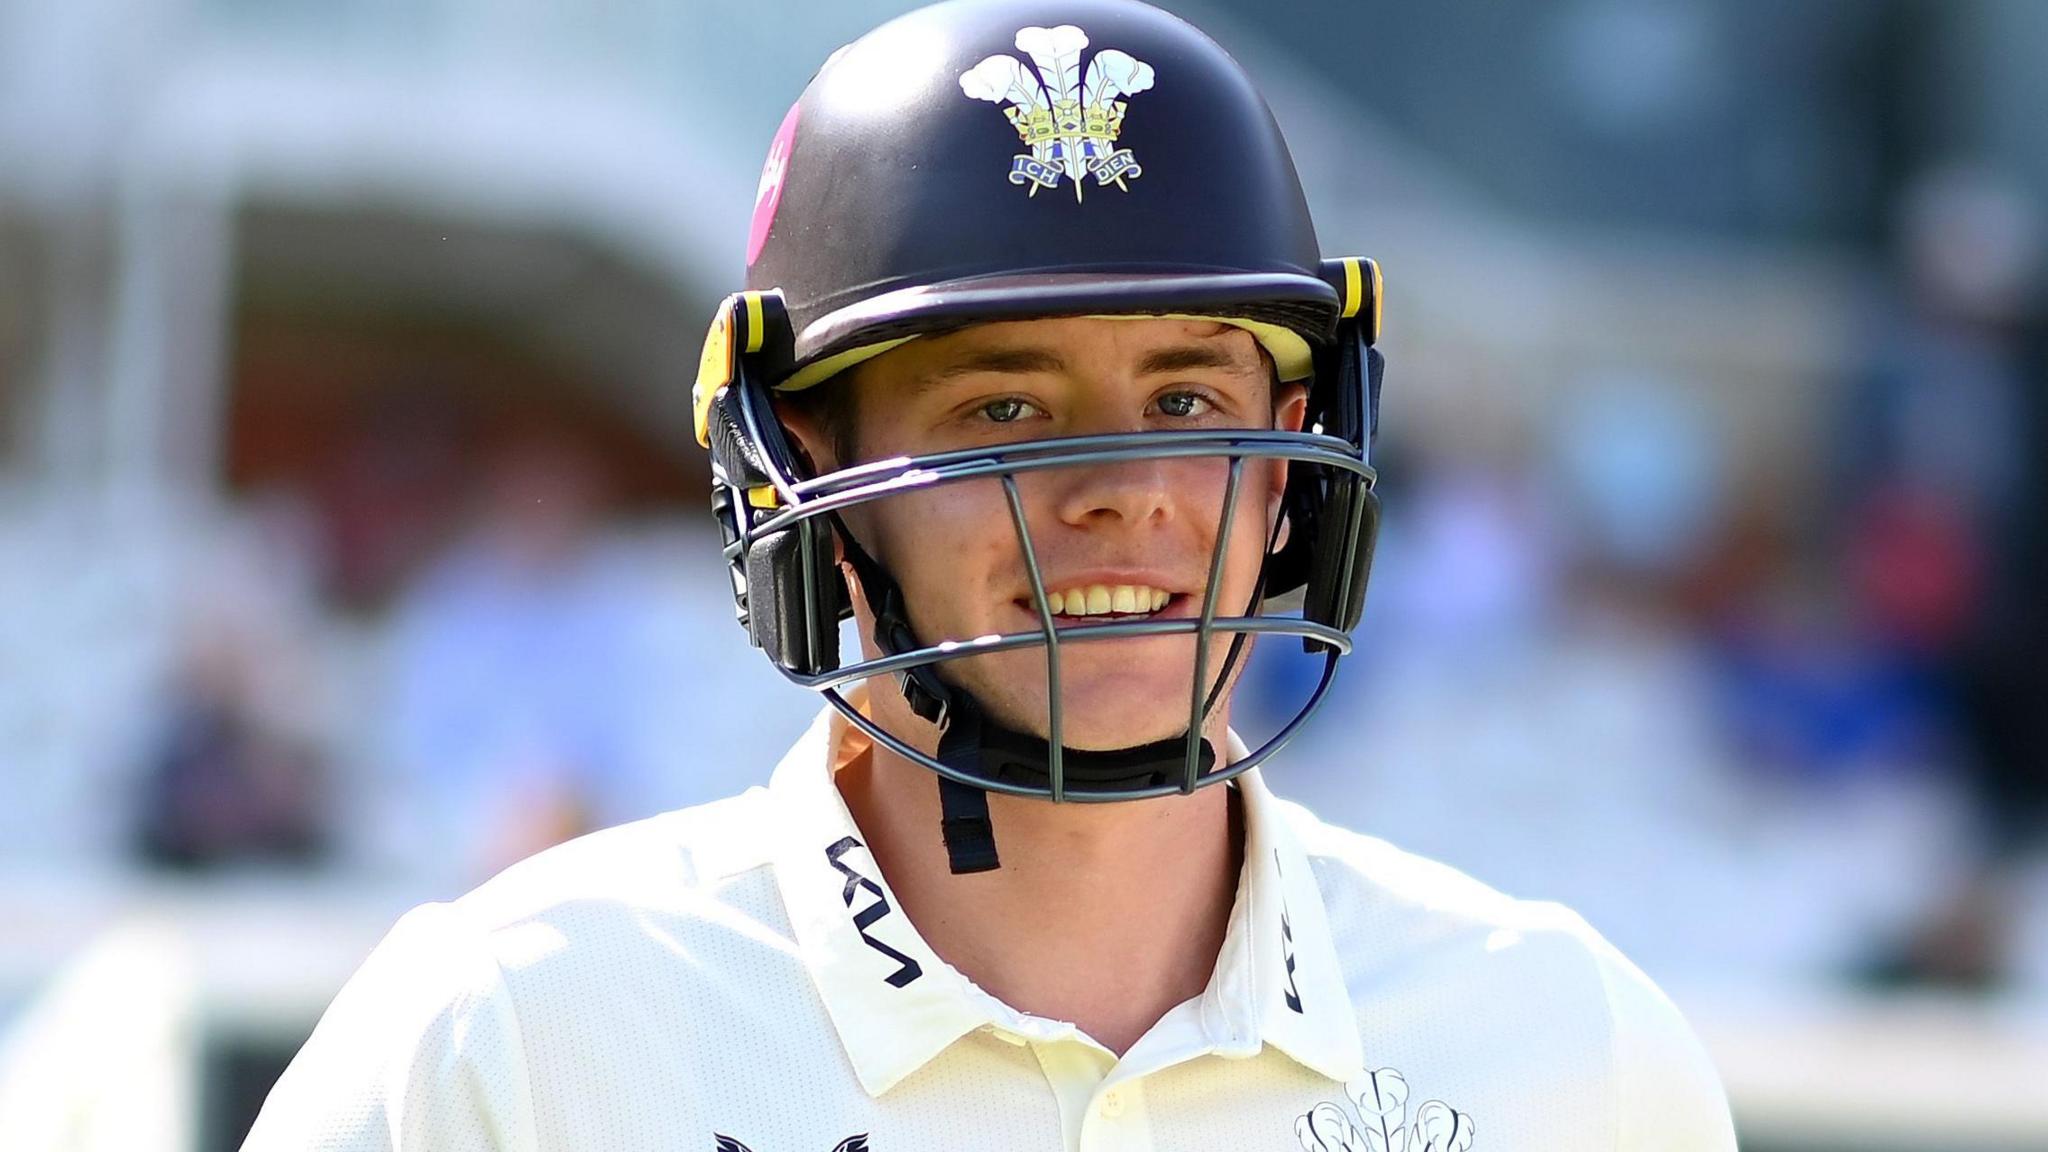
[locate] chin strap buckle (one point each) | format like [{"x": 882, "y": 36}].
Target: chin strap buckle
[{"x": 936, "y": 707}]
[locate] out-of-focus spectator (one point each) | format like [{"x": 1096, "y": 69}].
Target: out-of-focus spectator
[
  {"x": 222, "y": 785},
  {"x": 1812, "y": 692},
  {"x": 1934, "y": 460},
  {"x": 1937, "y": 472},
  {"x": 521, "y": 672},
  {"x": 234, "y": 770}
]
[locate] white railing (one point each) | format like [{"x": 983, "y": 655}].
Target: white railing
[{"x": 106, "y": 1060}]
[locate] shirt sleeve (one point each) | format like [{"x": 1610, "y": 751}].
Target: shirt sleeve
[
  {"x": 1669, "y": 1098},
  {"x": 420, "y": 1051}
]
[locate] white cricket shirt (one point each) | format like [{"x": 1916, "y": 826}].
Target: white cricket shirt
[{"x": 737, "y": 976}]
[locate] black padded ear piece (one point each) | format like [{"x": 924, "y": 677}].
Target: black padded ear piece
[
  {"x": 1309, "y": 485},
  {"x": 784, "y": 620},
  {"x": 1333, "y": 516},
  {"x": 1346, "y": 512},
  {"x": 788, "y": 590},
  {"x": 1342, "y": 559}
]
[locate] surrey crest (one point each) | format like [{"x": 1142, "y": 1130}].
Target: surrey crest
[
  {"x": 1070, "y": 122},
  {"x": 1383, "y": 1124}
]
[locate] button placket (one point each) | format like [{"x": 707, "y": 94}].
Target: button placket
[
  {"x": 1117, "y": 1123},
  {"x": 1074, "y": 1072}
]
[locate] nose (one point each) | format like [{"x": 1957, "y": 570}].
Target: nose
[{"x": 1129, "y": 492}]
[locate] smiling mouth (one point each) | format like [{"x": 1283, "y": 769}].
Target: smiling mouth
[{"x": 1105, "y": 602}]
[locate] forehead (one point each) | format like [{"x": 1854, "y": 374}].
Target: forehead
[{"x": 1077, "y": 344}]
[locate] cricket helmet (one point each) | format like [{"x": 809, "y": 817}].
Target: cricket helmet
[{"x": 988, "y": 160}]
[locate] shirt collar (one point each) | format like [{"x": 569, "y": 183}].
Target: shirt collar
[
  {"x": 1279, "y": 948},
  {"x": 896, "y": 1005}
]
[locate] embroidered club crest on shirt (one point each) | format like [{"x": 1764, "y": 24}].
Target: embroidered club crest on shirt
[
  {"x": 850, "y": 1144},
  {"x": 1383, "y": 1123},
  {"x": 1069, "y": 119}
]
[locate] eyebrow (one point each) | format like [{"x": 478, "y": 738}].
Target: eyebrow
[
  {"x": 1005, "y": 361},
  {"x": 1027, "y": 361},
  {"x": 1182, "y": 357}
]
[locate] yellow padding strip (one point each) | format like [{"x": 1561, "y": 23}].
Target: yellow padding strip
[
  {"x": 764, "y": 497},
  {"x": 1290, "y": 352},
  {"x": 1379, "y": 292},
  {"x": 1354, "y": 289},
  {"x": 755, "y": 336},
  {"x": 820, "y": 371}
]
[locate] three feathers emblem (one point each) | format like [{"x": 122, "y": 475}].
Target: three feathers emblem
[
  {"x": 1069, "y": 119},
  {"x": 850, "y": 1144},
  {"x": 1381, "y": 1097}
]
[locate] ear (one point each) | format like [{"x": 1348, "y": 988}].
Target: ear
[
  {"x": 1290, "y": 406},
  {"x": 807, "y": 435},
  {"x": 856, "y": 595},
  {"x": 1290, "y": 409},
  {"x": 812, "y": 446}
]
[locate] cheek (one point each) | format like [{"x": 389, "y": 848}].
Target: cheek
[
  {"x": 1200, "y": 488},
  {"x": 1200, "y": 484},
  {"x": 944, "y": 545},
  {"x": 1273, "y": 494},
  {"x": 1251, "y": 530}
]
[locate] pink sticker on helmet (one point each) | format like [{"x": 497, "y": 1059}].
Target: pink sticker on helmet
[{"x": 768, "y": 193}]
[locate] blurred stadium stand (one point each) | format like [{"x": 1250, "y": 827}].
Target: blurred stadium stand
[{"x": 292, "y": 292}]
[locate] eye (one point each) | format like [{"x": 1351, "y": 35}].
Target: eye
[
  {"x": 1008, "y": 410},
  {"x": 1182, "y": 405}
]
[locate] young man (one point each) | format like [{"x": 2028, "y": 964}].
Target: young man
[{"x": 1054, "y": 398}]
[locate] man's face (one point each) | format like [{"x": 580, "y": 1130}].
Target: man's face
[{"x": 1130, "y": 540}]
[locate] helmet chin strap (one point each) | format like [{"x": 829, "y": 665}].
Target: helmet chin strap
[{"x": 972, "y": 743}]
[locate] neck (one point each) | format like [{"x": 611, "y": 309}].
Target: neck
[{"x": 1142, "y": 889}]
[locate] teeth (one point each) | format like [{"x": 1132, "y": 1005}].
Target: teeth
[{"x": 1106, "y": 599}]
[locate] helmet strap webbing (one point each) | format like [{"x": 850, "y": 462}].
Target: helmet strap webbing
[{"x": 964, "y": 820}]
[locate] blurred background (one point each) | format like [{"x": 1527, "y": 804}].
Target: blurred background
[{"x": 353, "y": 542}]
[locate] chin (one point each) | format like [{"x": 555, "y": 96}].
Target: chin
[
  {"x": 1115, "y": 693},
  {"x": 1098, "y": 733},
  {"x": 1105, "y": 713},
  {"x": 1112, "y": 736}
]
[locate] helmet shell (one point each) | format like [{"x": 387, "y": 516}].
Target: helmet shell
[{"x": 1002, "y": 159}]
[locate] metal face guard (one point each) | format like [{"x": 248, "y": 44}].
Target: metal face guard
[{"x": 802, "y": 507}]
